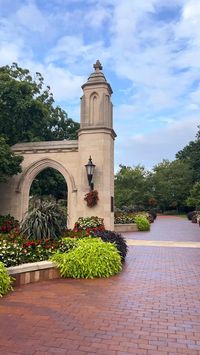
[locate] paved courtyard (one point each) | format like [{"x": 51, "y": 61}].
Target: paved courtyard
[{"x": 152, "y": 307}]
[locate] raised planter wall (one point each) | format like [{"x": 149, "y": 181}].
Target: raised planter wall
[
  {"x": 33, "y": 272},
  {"x": 120, "y": 228}
]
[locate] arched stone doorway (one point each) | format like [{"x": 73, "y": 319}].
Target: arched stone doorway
[
  {"x": 48, "y": 185},
  {"x": 32, "y": 171}
]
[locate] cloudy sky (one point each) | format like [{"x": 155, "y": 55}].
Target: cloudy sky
[{"x": 150, "y": 51}]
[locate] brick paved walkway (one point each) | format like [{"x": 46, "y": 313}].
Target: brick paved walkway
[
  {"x": 170, "y": 228},
  {"x": 151, "y": 308}
]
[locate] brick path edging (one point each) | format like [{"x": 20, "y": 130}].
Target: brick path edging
[{"x": 33, "y": 272}]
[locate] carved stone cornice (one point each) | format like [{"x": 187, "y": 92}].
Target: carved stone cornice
[
  {"x": 96, "y": 129},
  {"x": 46, "y": 147}
]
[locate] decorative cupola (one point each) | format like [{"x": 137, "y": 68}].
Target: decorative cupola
[{"x": 96, "y": 106}]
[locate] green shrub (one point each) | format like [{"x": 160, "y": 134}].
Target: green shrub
[
  {"x": 116, "y": 238},
  {"x": 142, "y": 223},
  {"x": 92, "y": 258},
  {"x": 5, "y": 280},
  {"x": 46, "y": 221}
]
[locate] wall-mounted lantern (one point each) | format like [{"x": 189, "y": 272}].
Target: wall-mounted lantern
[{"x": 90, "y": 171}]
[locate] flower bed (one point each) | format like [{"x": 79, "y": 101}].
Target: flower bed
[
  {"x": 132, "y": 222},
  {"x": 27, "y": 261}
]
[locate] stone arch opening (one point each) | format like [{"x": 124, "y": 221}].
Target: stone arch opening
[
  {"x": 31, "y": 172},
  {"x": 49, "y": 185}
]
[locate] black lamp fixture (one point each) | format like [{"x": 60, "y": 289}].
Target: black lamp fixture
[{"x": 90, "y": 171}]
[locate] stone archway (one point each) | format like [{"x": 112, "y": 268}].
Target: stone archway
[
  {"x": 95, "y": 138},
  {"x": 29, "y": 174}
]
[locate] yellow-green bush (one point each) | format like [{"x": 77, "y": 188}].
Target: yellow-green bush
[
  {"x": 142, "y": 223},
  {"x": 5, "y": 280},
  {"x": 92, "y": 258}
]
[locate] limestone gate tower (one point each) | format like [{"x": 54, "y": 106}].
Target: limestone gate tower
[{"x": 95, "y": 139}]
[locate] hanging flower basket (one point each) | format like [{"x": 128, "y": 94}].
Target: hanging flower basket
[{"x": 91, "y": 198}]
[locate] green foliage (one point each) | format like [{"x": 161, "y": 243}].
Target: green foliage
[
  {"x": 49, "y": 182},
  {"x": 27, "y": 111},
  {"x": 28, "y": 114},
  {"x": 194, "y": 198},
  {"x": 92, "y": 258},
  {"x": 9, "y": 162},
  {"x": 116, "y": 238},
  {"x": 5, "y": 280},
  {"x": 191, "y": 154},
  {"x": 47, "y": 220},
  {"x": 171, "y": 182},
  {"x": 130, "y": 186},
  {"x": 142, "y": 223},
  {"x": 88, "y": 223},
  {"x": 68, "y": 245}
]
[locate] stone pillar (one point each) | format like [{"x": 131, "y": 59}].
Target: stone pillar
[{"x": 96, "y": 139}]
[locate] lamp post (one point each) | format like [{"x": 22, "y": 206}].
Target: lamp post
[{"x": 90, "y": 171}]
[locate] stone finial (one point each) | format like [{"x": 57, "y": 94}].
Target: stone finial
[{"x": 97, "y": 66}]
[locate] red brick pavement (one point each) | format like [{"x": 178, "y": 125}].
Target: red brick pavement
[
  {"x": 169, "y": 228},
  {"x": 151, "y": 308}
]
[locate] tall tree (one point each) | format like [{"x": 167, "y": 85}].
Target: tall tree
[
  {"x": 130, "y": 187},
  {"x": 172, "y": 182},
  {"x": 9, "y": 163},
  {"x": 27, "y": 111},
  {"x": 191, "y": 154},
  {"x": 194, "y": 198}
]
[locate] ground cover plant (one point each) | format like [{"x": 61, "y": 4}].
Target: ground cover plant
[
  {"x": 92, "y": 258},
  {"x": 5, "y": 280}
]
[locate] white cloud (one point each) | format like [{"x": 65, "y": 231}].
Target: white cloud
[
  {"x": 32, "y": 18},
  {"x": 97, "y": 16},
  {"x": 150, "y": 149},
  {"x": 152, "y": 47}
]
